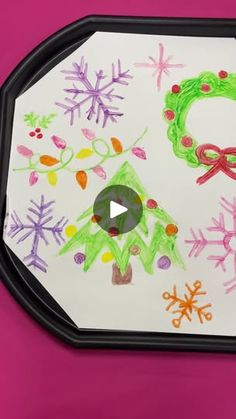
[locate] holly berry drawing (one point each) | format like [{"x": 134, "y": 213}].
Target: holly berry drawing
[
  {"x": 43, "y": 164},
  {"x": 36, "y": 133},
  {"x": 208, "y": 156},
  {"x": 37, "y": 124}
]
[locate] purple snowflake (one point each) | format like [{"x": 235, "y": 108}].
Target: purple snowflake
[
  {"x": 159, "y": 65},
  {"x": 98, "y": 97},
  {"x": 37, "y": 227},
  {"x": 227, "y": 242}
]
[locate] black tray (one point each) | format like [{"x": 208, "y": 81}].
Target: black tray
[{"x": 22, "y": 284}]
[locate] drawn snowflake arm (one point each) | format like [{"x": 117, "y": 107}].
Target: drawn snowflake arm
[
  {"x": 46, "y": 221},
  {"x": 196, "y": 290},
  {"x": 220, "y": 260},
  {"x": 231, "y": 208},
  {"x": 218, "y": 225},
  {"x": 146, "y": 65},
  {"x": 161, "y": 52},
  {"x": 76, "y": 91},
  {"x": 198, "y": 243},
  {"x": 230, "y": 285},
  {"x": 158, "y": 79},
  {"x": 79, "y": 73},
  {"x": 43, "y": 236},
  {"x": 228, "y": 206},
  {"x": 26, "y": 235},
  {"x": 34, "y": 211},
  {"x": 72, "y": 107},
  {"x": 119, "y": 76},
  {"x": 108, "y": 113},
  {"x": 182, "y": 314},
  {"x": 57, "y": 230},
  {"x": 109, "y": 96},
  {"x": 35, "y": 261},
  {"x": 17, "y": 226},
  {"x": 202, "y": 314},
  {"x": 42, "y": 205},
  {"x": 172, "y": 297}
]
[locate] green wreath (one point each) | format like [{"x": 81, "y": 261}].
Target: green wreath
[{"x": 177, "y": 105}]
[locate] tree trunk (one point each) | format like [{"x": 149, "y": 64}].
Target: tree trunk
[{"x": 118, "y": 279}]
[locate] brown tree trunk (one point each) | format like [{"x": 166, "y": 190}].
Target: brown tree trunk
[{"x": 118, "y": 279}]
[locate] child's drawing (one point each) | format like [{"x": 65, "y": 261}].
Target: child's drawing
[
  {"x": 38, "y": 226},
  {"x": 38, "y": 123},
  {"x": 139, "y": 243},
  {"x": 98, "y": 96},
  {"x": 155, "y": 114},
  {"x": 160, "y": 65},
  {"x": 178, "y": 103},
  {"x": 226, "y": 242},
  {"x": 43, "y": 164},
  {"x": 187, "y": 305}
]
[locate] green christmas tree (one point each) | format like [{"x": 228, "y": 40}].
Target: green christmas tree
[{"x": 141, "y": 242}]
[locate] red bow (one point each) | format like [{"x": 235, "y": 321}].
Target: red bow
[{"x": 218, "y": 163}]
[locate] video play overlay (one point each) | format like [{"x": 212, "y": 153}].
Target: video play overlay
[{"x": 118, "y": 209}]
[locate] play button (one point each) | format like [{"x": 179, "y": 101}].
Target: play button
[{"x": 117, "y": 209}]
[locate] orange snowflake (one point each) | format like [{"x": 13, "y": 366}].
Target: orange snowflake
[{"x": 188, "y": 304}]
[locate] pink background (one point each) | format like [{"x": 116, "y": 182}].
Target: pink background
[{"x": 40, "y": 377}]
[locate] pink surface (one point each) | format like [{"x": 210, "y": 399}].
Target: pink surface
[{"x": 40, "y": 377}]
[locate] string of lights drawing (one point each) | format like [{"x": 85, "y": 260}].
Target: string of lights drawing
[{"x": 43, "y": 164}]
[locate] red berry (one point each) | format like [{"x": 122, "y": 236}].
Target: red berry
[
  {"x": 37, "y": 130},
  {"x": 96, "y": 218},
  {"x": 151, "y": 203},
  {"x": 169, "y": 114},
  {"x": 32, "y": 133},
  {"x": 186, "y": 141},
  {"x": 205, "y": 88},
  {"x": 175, "y": 88},
  {"x": 223, "y": 74},
  {"x": 39, "y": 136},
  {"x": 113, "y": 231}
]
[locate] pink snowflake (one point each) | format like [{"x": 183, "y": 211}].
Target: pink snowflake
[
  {"x": 160, "y": 65},
  {"x": 226, "y": 242}
]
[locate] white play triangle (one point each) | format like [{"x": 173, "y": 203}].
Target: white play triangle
[{"x": 116, "y": 209}]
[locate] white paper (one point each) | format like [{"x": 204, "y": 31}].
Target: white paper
[{"x": 90, "y": 298}]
